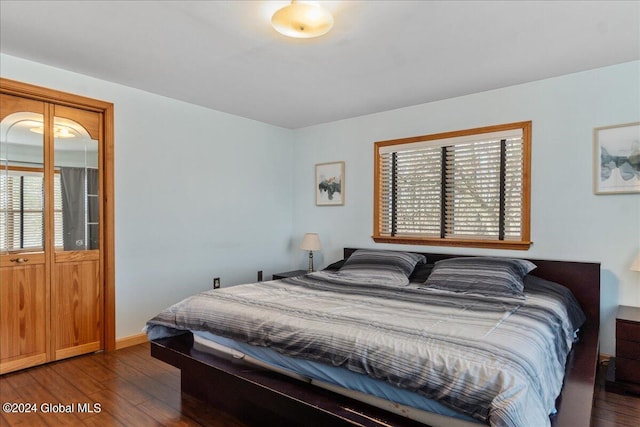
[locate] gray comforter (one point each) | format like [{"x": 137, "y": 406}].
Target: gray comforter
[{"x": 500, "y": 361}]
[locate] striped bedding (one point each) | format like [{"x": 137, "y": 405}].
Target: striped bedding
[{"x": 498, "y": 360}]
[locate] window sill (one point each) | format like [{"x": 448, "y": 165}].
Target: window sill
[{"x": 467, "y": 243}]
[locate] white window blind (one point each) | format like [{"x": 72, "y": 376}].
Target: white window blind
[
  {"x": 21, "y": 210},
  {"x": 462, "y": 187},
  {"x": 411, "y": 192}
]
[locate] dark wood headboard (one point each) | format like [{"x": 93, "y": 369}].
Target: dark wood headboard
[{"x": 583, "y": 278}]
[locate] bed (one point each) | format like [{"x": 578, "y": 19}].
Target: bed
[{"x": 256, "y": 393}]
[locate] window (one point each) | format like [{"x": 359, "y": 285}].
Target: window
[{"x": 463, "y": 188}]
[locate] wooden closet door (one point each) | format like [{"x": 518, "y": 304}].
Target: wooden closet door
[
  {"x": 24, "y": 288},
  {"x": 77, "y": 286},
  {"x": 57, "y": 274}
]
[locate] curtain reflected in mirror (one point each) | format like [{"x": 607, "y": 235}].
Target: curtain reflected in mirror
[
  {"x": 21, "y": 183},
  {"x": 76, "y": 210},
  {"x": 79, "y": 208}
]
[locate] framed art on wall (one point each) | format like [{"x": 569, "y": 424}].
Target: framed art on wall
[
  {"x": 616, "y": 159},
  {"x": 330, "y": 184}
]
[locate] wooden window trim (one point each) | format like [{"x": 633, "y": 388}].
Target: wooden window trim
[{"x": 523, "y": 244}]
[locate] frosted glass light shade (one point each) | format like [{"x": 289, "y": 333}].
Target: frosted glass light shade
[{"x": 302, "y": 20}]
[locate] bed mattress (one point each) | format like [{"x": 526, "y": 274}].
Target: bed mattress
[{"x": 342, "y": 381}]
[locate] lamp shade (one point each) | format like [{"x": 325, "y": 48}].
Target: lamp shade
[
  {"x": 635, "y": 266},
  {"x": 302, "y": 20},
  {"x": 310, "y": 242}
]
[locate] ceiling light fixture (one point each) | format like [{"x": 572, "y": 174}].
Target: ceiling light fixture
[
  {"x": 302, "y": 20},
  {"x": 58, "y": 131}
]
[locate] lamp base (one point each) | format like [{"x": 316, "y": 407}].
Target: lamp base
[{"x": 310, "y": 261}]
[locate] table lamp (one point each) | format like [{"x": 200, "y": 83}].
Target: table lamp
[
  {"x": 635, "y": 266},
  {"x": 310, "y": 243}
]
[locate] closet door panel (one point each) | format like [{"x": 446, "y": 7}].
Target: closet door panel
[
  {"x": 23, "y": 311},
  {"x": 24, "y": 287},
  {"x": 77, "y": 291},
  {"x": 76, "y": 302}
]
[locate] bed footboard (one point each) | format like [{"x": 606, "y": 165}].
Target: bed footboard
[{"x": 259, "y": 397}]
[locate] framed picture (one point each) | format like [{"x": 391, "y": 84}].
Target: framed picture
[
  {"x": 330, "y": 184},
  {"x": 616, "y": 159}
]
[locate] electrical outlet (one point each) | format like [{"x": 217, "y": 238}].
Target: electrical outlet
[{"x": 216, "y": 282}]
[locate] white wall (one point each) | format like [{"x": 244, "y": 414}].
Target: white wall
[
  {"x": 198, "y": 193},
  {"x": 569, "y": 222},
  {"x": 186, "y": 212}
]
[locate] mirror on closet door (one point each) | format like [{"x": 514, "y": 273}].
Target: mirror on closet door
[
  {"x": 76, "y": 198},
  {"x": 21, "y": 183}
]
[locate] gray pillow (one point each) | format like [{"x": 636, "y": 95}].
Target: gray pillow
[
  {"x": 391, "y": 265},
  {"x": 486, "y": 276}
]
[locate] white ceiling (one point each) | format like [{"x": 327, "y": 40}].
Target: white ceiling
[{"x": 380, "y": 55}]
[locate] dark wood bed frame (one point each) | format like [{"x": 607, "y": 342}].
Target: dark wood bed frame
[{"x": 259, "y": 397}]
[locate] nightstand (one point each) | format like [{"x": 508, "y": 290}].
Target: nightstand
[
  {"x": 293, "y": 273},
  {"x": 623, "y": 375}
]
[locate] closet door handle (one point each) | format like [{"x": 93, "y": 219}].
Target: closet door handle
[{"x": 19, "y": 260}]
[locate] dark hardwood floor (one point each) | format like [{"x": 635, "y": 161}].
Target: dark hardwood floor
[
  {"x": 129, "y": 388},
  {"x": 612, "y": 409}
]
